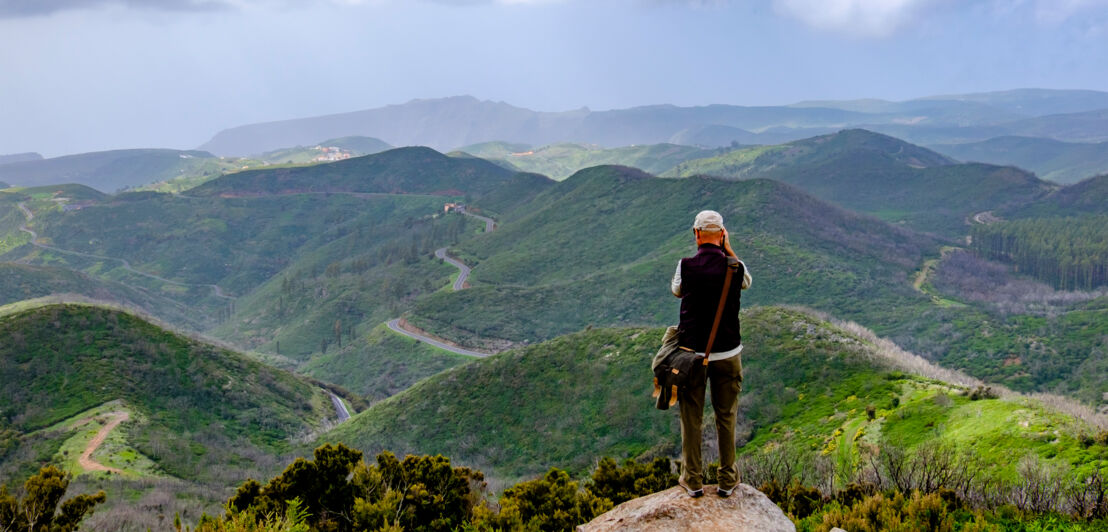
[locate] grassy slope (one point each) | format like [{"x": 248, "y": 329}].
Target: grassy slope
[
  {"x": 236, "y": 243},
  {"x": 365, "y": 277},
  {"x": 208, "y": 412},
  {"x": 560, "y": 161},
  {"x": 880, "y": 175},
  {"x": 380, "y": 363},
  {"x": 23, "y": 281},
  {"x": 1089, "y": 196},
  {"x": 544, "y": 273},
  {"x": 578, "y": 397},
  {"x": 1053, "y": 160},
  {"x": 600, "y": 247}
]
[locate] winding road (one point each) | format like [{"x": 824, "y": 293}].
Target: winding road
[
  {"x": 490, "y": 224},
  {"x": 464, "y": 270},
  {"x": 395, "y": 326},
  {"x": 126, "y": 265},
  {"x": 459, "y": 284}
]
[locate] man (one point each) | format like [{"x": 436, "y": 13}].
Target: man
[{"x": 699, "y": 283}]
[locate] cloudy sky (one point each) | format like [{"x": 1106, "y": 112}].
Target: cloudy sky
[{"x": 82, "y": 75}]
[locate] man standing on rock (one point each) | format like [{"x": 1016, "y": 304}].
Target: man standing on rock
[{"x": 699, "y": 282}]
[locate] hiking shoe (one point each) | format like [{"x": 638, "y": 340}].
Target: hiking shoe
[
  {"x": 692, "y": 493},
  {"x": 724, "y": 493}
]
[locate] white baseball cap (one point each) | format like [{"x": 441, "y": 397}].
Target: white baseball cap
[{"x": 708, "y": 221}]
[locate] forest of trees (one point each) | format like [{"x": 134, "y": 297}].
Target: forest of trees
[{"x": 1070, "y": 253}]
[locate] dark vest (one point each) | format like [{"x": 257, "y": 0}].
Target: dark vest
[{"x": 701, "y": 285}]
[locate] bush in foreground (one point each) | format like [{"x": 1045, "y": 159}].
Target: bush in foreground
[{"x": 38, "y": 510}]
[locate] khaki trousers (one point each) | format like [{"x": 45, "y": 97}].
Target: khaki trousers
[{"x": 726, "y": 378}]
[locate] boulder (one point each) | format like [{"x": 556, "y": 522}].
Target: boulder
[{"x": 747, "y": 509}]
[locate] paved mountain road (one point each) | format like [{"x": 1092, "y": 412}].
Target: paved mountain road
[
  {"x": 463, "y": 270},
  {"x": 490, "y": 224},
  {"x": 459, "y": 284},
  {"x": 395, "y": 326}
]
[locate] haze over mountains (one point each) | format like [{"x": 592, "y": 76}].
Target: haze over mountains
[{"x": 448, "y": 123}]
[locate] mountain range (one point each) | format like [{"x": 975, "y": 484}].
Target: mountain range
[
  {"x": 448, "y": 123},
  {"x": 304, "y": 271},
  {"x": 110, "y": 171}
]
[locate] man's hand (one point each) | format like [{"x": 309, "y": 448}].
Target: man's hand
[{"x": 727, "y": 244}]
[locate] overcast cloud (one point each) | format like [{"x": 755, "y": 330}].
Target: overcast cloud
[{"x": 82, "y": 75}]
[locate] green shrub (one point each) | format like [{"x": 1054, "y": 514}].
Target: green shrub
[
  {"x": 339, "y": 491},
  {"x": 632, "y": 480},
  {"x": 551, "y": 503},
  {"x": 38, "y": 510}
]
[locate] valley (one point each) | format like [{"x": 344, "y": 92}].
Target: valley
[{"x": 417, "y": 302}]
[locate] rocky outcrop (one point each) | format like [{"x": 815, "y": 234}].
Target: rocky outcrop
[{"x": 747, "y": 509}]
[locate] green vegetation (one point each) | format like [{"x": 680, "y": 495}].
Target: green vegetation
[
  {"x": 560, "y": 161},
  {"x": 600, "y": 248},
  {"x": 1053, "y": 160},
  {"x": 807, "y": 386},
  {"x": 932, "y": 488},
  {"x": 398, "y": 171},
  {"x": 202, "y": 406},
  {"x": 1070, "y": 253},
  {"x": 880, "y": 175},
  {"x": 39, "y": 509},
  {"x": 20, "y": 282},
  {"x": 324, "y": 300},
  {"x": 380, "y": 363},
  {"x": 339, "y": 491},
  {"x": 1087, "y": 197}
]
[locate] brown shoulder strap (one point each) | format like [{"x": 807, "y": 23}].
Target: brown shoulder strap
[{"x": 719, "y": 312}]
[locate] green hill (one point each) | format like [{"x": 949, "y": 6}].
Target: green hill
[
  {"x": 399, "y": 171},
  {"x": 599, "y": 248},
  {"x": 559, "y": 161},
  {"x": 880, "y": 175},
  {"x": 206, "y": 409},
  {"x": 380, "y": 363},
  {"x": 359, "y": 280},
  {"x": 109, "y": 171},
  {"x": 19, "y": 282},
  {"x": 1089, "y": 196},
  {"x": 806, "y": 387},
  {"x": 544, "y": 273},
  {"x": 197, "y": 419},
  {"x": 1053, "y": 160}
]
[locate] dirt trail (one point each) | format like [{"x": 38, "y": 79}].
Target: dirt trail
[{"x": 86, "y": 462}]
